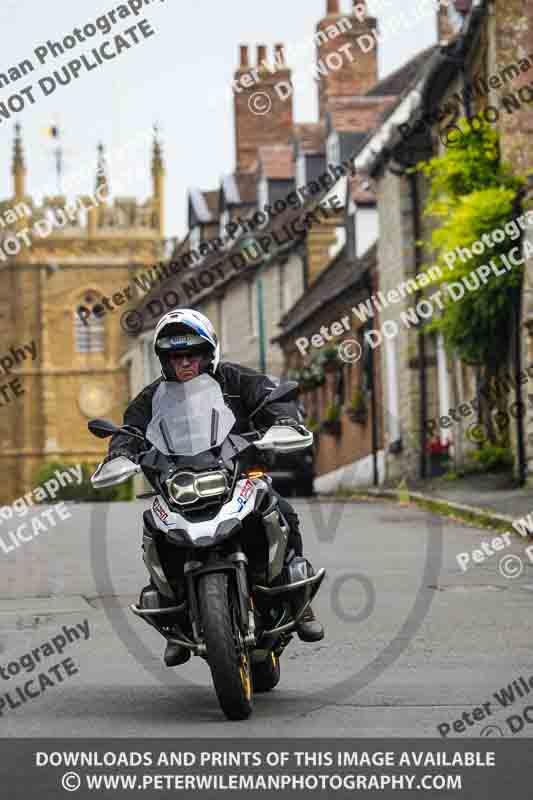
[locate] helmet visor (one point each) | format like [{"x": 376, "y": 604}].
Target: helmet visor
[{"x": 180, "y": 341}]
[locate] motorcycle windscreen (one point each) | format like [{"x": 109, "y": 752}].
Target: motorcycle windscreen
[{"x": 189, "y": 418}]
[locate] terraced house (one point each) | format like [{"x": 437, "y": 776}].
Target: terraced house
[{"x": 481, "y": 67}]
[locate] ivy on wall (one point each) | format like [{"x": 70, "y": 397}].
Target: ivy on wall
[{"x": 472, "y": 193}]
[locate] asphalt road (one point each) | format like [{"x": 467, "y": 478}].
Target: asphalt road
[{"x": 412, "y": 642}]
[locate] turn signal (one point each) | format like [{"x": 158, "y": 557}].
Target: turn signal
[{"x": 255, "y": 472}]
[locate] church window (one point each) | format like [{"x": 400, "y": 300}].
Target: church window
[{"x": 88, "y": 326}]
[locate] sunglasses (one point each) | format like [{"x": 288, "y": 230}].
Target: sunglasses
[{"x": 190, "y": 354}]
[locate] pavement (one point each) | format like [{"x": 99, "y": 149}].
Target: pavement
[
  {"x": 492, "y": 495},
  {"x": 412, "y": 641}
]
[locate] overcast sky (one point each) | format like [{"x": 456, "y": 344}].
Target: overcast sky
[{"x": 178, "y": 77}]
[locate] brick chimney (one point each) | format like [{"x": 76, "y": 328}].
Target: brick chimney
[
  {"x": 263, "y": 104},
  {"x": 445, "y": 30},
  {"x": 347, "y": 58}
]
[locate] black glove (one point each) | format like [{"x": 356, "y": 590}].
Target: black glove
[
  {"x": 287, "y": 421},
  {"x": 293, "y": 423},
  {"x": 120, "y": 452}
]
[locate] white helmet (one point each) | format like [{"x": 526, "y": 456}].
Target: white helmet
[{"x": 185, "y": 329}]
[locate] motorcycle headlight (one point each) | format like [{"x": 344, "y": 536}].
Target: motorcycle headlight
[{"x": 188, "y": 487}]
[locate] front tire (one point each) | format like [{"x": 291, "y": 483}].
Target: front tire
[{"x": 226, "y": 655}]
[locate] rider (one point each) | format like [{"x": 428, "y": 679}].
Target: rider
[{"x": 186, "y": 345}]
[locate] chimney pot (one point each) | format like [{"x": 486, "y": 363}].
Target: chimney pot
[
  {"x": 261, "y": 54},
  {"x": 244, "y": 55},
  {"x": 279, "y": 53},
  {"x": 333, "y": 7}
]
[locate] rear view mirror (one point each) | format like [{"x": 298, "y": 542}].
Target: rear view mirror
[
  {"x": 102, "y": 428},
  {"x": 285, "y": 391}
]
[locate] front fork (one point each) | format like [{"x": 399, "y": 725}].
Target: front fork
[{"x": 235, "y": 563}]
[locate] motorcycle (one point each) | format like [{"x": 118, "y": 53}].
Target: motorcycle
[{"x": 224, "y": 583}]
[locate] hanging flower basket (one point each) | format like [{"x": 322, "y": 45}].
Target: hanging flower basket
[
  {"x": 357, "y": 412},
  {"x": 309, "y": 377},
  {"x": 331, "y": 424},
  {"x": 331, "y": 427}
]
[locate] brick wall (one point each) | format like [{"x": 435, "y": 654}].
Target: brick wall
[
  {"x": 255, "y": 129},
  {"x": 358, "y": 72}
]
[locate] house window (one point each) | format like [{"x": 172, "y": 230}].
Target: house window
[
  {"x": 301, "y": 177},
  {"x": 224, "y": 221},
  {"x": 334, "y": 149},
  {"x": 89, "y": 331},
  {"x": 195, "y": 238},
  {"x": 262, "y": 194}
]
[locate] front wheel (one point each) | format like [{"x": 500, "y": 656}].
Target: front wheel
[{"x": 226, "y": 654}]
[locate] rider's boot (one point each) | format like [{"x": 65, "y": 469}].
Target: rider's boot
[{"x": 309, "y": 629}]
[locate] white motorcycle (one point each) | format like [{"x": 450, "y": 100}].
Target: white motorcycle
[{"x": 223, "y": 582}]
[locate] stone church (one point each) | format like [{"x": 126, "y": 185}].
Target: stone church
[{"x": 58, "y": 370}]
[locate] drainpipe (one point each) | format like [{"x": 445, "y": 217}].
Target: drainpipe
[{"x": 517, "y": 347}]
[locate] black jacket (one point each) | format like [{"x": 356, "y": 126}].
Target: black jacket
[{"x": 243, "y": 390}]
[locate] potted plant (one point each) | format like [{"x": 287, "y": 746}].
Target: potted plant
[
  {"x": 357, "y": 411},
  {"x": 439, "y": 457},
  {"x": 331, "y": 423}
]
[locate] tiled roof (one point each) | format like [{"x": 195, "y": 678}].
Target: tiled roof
[
  {"x": 397, "y": 81},
  {"x": 357, "y": 115},
  {"x": 341, "y": 275}
]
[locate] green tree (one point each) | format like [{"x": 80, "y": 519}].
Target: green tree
[{"x": 472, "y": 192}]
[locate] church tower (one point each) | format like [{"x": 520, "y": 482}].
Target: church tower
[
  {"x": 158, "y": 182},
  {"x": 77, "y": 259}
]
